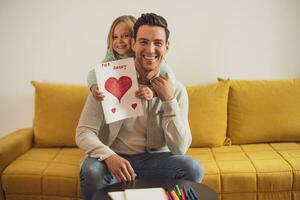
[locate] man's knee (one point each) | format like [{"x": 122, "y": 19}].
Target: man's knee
[
  {"x": 93, "y": 171},
  {"x": 194, "y": 170},
  {"x": 93, "y": 176}
]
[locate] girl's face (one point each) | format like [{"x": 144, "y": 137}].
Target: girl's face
[{"x": 121, "y": 39}]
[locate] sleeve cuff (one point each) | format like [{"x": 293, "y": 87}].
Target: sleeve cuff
[
  {"x": 170, "y": 108},
  {"x": 103, "y": 157}
]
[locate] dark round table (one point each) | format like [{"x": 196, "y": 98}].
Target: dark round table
[{"x": 203, "y": 192}]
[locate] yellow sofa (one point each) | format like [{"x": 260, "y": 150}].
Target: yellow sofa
[{"x": 246, "y": 134}]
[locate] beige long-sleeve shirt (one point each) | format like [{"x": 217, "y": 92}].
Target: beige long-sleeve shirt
[
  {"x": 132, "y": 137},
  {"x": 167, "y": 127}
]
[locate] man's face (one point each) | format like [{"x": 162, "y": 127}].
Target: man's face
[{"x": 150, "y": 47}]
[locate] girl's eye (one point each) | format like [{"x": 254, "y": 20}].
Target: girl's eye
[
  {"x": 126, "y": 36},
  {"x": 115, "y": 37}
]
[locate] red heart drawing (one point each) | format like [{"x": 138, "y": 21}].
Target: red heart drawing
[
  {"x": 118, "y": 87},
  {"x": 134, "y": 105},
  {"x": 113, "y": 110}
]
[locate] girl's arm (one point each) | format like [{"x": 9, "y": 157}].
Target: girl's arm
[
  {"x": 165, "y": 68},
  {"x": 92, "y": 83},
  {"x": 91, "y": 79}
]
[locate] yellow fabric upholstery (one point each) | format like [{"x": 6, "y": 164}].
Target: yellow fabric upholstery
[
  {"x": 12, "y": 146},
  {"x": 252, "y": 171},
  {"x": 44, "y": 172},
  {"x": 48, "y": 169},
  {"x": 57, "y": 111},
  {"x": 230, "y": 170},
  {"x": 264, "y": 111},
  {"x": 208, "y": 114}
]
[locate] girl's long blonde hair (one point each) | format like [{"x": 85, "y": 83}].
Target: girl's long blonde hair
[{"x": 129, "y": 21}]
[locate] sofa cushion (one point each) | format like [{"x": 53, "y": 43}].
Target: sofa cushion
[
  {"x": 44, "y": 172},
  {"x": 251, "y": 170},
  {"x": 264, "y": 111},
  {"x": 208, "y": 113},
  {"x": 57, "y": 112}
]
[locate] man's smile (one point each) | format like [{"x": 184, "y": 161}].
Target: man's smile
[{"x": 149, "y": 57}]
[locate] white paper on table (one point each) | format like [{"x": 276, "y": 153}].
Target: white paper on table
[
  {"x": 118, "y": 195},
  {"x": 145, "y": 194},
  {"x": 118, "y": 81}
]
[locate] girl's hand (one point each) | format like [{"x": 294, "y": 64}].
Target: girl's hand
[
  {"x": 99, "y": 96},
  {"x": 144, "y": 93}
]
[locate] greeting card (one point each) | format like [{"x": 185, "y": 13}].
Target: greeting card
[{"x": 118, "y": 81}]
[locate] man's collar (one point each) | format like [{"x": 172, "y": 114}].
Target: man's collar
[{"x": 149, "y": 81}]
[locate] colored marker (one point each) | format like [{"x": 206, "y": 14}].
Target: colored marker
[
  {"x": 185, "y": 193},
  {"x": 177, "y": 190},
  {"x": 191, "y": 197},
  {"x": 194, "y": 194},
  {"x": 174, "y": 195},
  {"x": 168, "y": 195},
  {"x": 182, "y": 194}
]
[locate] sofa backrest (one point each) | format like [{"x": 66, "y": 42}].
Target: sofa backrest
[
  {"x": 264, "y": 111},
  {"x": 58, "y": 108},
  {"x": 253, "y": 112},
  {"x": 208, "y": 114},
  {"x": 57, "y": 111}
]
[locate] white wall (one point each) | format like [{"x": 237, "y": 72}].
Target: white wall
[{"x": 60, "y": 40}]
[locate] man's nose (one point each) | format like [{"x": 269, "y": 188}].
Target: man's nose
[{"x": 151, "y": 48}]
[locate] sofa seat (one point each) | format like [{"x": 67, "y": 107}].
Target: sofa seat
[
  {"x": 254, "y": 172},
  {"x": 44, "y": 173}
]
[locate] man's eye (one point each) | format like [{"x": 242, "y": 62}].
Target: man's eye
[
  {"x": 159, "y": 44},
  {"x": 143, "y": 42}
]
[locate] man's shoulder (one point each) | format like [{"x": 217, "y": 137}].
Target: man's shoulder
[
  {"x": 179, "y": 89},
  {"x": 178, "y": 85}
]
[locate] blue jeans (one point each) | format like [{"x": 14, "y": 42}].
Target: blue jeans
[{"x": 95, "y": 175}]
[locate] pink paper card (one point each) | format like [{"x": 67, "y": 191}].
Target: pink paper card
[{"x": 118, "y": 81}]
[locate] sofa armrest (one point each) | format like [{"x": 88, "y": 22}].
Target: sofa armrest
[{"x": 13, "y": 145}]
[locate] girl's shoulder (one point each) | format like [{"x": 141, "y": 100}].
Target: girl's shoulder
[
  {"x": 164, "y": 67},
  {"x": 164, "y": 64},
  {"x": 110, "y": 56}
]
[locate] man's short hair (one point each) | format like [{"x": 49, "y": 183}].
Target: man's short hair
[{"x": 151, "y": 19}]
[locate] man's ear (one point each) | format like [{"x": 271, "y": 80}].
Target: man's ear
[
  {"x": 167, "y": 45},
  {"x": 133, "y": 44}
]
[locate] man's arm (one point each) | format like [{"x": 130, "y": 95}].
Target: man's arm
[
  {"x": 175, "y": 115},
  {"x": 90, "y": 123}
]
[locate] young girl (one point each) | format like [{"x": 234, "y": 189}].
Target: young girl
[{"x": 119, "y": 47}]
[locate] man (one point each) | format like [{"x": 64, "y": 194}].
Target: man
[{"x": 145, "y": 147}]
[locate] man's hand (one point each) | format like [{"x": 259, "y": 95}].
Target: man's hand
[
  {"x": 120, "y": 168},
  {"x": 162, "y": 85}
]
